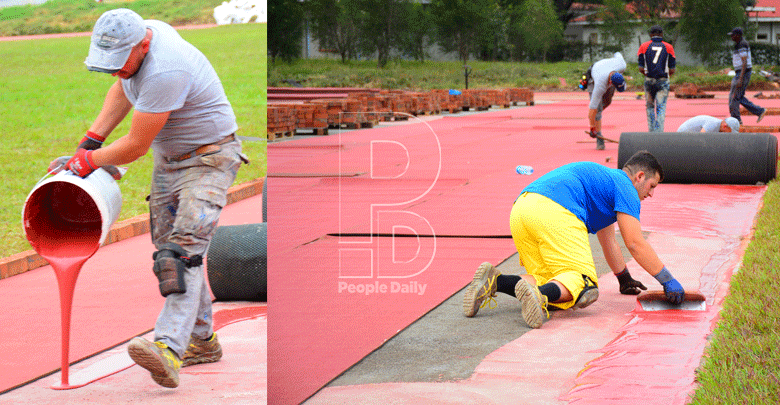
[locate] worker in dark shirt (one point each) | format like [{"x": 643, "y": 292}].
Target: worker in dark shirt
[
  {"x": 743, "y": 66},
  {"x": 656, "y": 63}
]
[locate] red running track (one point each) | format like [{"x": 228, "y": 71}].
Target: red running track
[
  {"x": 116, "y": 297},
  {"x": 338, "y": 294}
]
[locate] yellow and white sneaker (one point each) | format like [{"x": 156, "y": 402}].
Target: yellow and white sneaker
[
  {"x": 202, "y": 351},
  {"x": 533, "y": 305},
  {"x": 481, "y": 290},
  {"x": 158, "y": 358}
]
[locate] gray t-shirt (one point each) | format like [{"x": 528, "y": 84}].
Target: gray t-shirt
[
  {"x": 175, "y": 76},
  {"x": 600, "y": 73},
  {"x": 699, "y": 122}
]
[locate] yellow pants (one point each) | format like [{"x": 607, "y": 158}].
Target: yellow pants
[{"x": 553, "y": 244}]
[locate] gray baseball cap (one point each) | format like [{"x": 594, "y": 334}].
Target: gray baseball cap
[
  {"x": 115, "y": 34},
  {"x": 733, "y": 123}
]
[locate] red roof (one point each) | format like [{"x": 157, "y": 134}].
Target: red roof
[
  {"x": 629, "y": 7},
  {"x": 767, "y": 14}
]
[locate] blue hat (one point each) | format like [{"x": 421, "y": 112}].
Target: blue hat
[{"x": 618, "y": 81}]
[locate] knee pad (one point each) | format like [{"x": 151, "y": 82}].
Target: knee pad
[{"x": 170, "y": 265}]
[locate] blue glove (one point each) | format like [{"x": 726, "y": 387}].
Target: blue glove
[{"x": 672, "y": 288}]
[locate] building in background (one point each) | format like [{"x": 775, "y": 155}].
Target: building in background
[
  {"x": 764, "y": 17},
  {"x": 764, "y": 20}
]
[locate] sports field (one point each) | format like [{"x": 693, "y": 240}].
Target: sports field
[
  {"x": 49, "y": 100},
  {"x": 737, "y": 366}
]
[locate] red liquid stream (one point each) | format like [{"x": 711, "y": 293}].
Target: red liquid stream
[
  {"x": 63, "y": 224},
  {"x": 67, "y": 271},
  {"x": 66, "y": 258}
]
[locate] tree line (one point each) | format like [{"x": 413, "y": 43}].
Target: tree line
[{"x": 529, "y": 30}]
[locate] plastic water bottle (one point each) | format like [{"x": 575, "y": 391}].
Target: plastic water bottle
[{"x": 524, "y": 169}]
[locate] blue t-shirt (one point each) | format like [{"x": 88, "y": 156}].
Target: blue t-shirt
[{"x": 592, "y": 192}]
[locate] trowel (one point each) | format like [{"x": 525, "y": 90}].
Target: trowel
[{"x": 656, "y": 301}]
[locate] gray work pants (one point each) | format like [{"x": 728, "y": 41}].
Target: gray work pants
[{"x": 186, "y": 200}]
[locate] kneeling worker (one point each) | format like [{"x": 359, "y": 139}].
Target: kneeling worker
[
  {"x": 550, "y": 222},
  {"x": 706, "y": 123}
]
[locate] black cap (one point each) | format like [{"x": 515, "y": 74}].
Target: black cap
[
  {"x": 736, "y": 31},
  {"x": 656, "y": 29}
]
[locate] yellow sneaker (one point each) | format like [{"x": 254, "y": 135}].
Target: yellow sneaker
[
  {"x": 533, "y": 305},
  {"x": 156, "y": 357},
  {"x": 481, "y": 290},
  {"x": 202, "y": 351},
  {"x": 588, "y": 295}
]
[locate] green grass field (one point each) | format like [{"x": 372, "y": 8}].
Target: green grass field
[
  {"x": 412, "y": 75},
  {"x": 742, "y": 364},
  {"x": 48, "y": 100},
  {"x": 57, "y": 16}
]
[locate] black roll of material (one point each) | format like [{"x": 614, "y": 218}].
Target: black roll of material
[
  {"x": 706, "y": 158},
  {"x": 237, "y": 263}
]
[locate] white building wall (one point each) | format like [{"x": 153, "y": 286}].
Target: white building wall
[{"x": 585, "y": 32}]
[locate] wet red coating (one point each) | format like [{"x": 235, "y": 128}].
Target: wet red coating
[
  {"x": 653, "y": 358},
  {"x": 63, "y": 224},
  {"x": 117, "y": 277},
  {"x": 226, "y": 317}
]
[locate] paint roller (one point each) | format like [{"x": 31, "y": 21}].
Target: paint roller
[{"x": 656, "y": 301}]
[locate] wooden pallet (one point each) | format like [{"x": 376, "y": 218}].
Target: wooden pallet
[
  {"x": 352, "y": 125},
  {"x": 762, "y": 129},
  {"x": 396, "y": 117},
  {"x": 521, "y": 95},
  {"x": 312, "y": 131},
  {"x": 763, "y": 96},
  {"x": 678, "y": 95},
  {"x": 272, "y": 136},
  {"x": 477, "y": 108},
  {"x": 344, "y": 125},
  {"x": 690, "y": 91},
  {"x": 769, "y": 111}
]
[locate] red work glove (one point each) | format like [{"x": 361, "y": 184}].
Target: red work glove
[
  {"x": 91, "y": 141},
  {"x": 81, "y": 163},
  {"x": 593, "y": 133}
]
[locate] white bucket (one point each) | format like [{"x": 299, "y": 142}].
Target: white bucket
[{"x": 66, "y": 208}]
